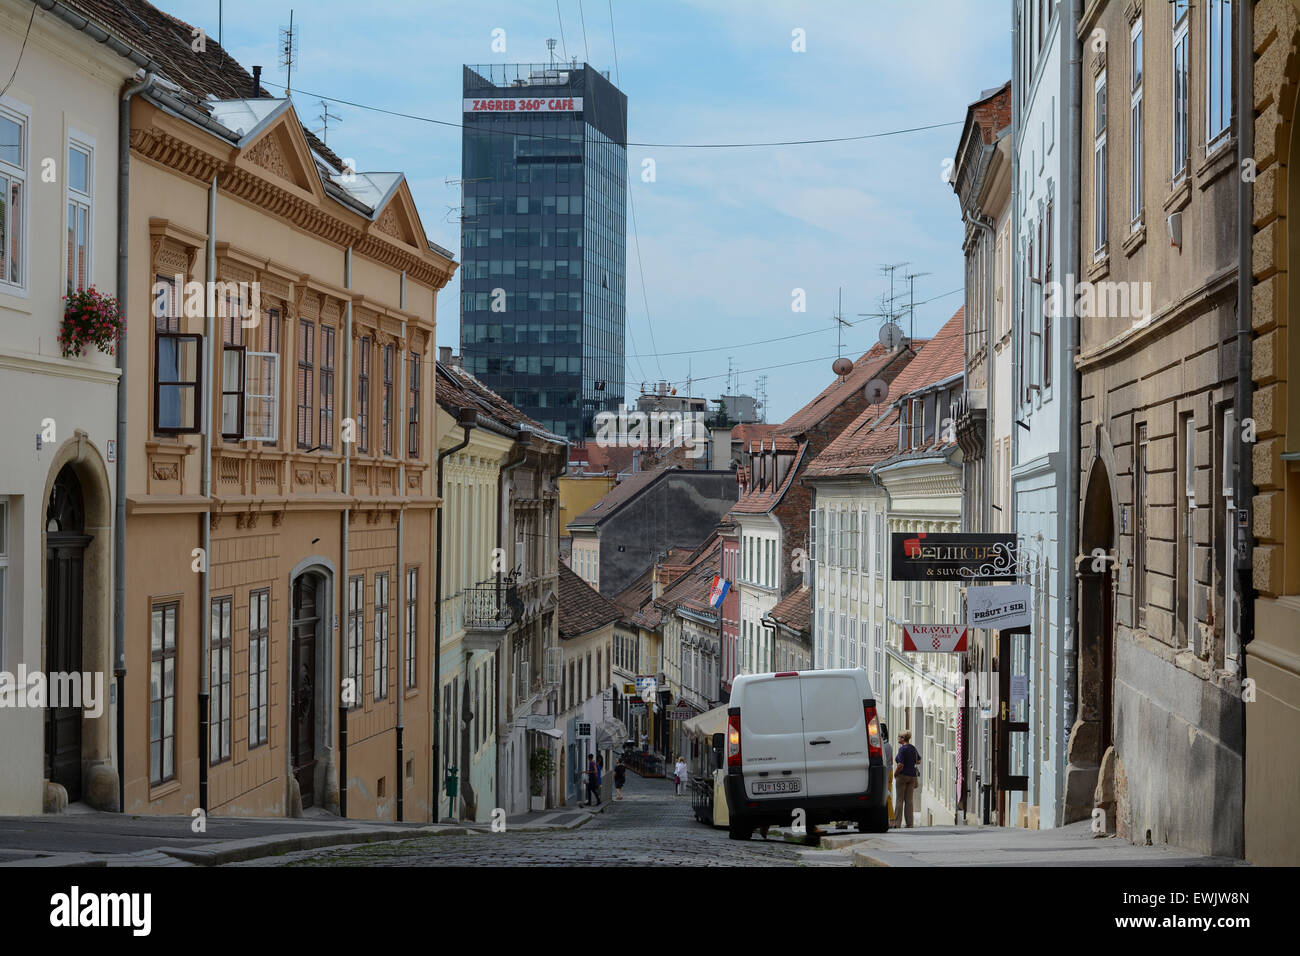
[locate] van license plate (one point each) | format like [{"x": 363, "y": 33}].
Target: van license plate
[{"x": 791, "y": 785}]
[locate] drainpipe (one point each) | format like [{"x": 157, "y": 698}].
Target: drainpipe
[
  {"x": 1070, "y": 225},
  {"x": 345, "y": 518},
  {"x": 1243, "y": 482},
  {"x": 205, "y": 466},
  {"x": 982, "y": 223},
  {"x": 119, "y": 504},
  {"x": 467, "y": 418},
  {"x": 1017, "y": 261},
  {"x": 522, "y": 438},
  {"x": 402, "y": 596}
]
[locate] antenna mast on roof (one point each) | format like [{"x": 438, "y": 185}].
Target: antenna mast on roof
[
  {"x": 325, "y": 116},
  {"x": 762, "y": 394},
  {"x": 911, "y": 303},
  {"x": 288, "y": 53},
  {"x": 550, "y": 48}
]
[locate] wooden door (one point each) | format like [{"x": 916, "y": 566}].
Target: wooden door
[
  {"x": 303, "y": 699},
  {"x": 65, "y": 545}
]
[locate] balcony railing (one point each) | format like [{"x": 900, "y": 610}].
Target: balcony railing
[{"x": 489, "y": 608}]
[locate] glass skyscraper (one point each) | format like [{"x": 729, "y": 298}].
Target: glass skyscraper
[{"x": 544, "y": 239}]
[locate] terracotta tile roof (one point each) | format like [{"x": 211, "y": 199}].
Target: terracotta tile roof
[
  {"x": 692, "y": 587},
  {"x": 794, "y": 611},
  {"x": 633, "y": 597},
  {"x": 457, "y": 388},
  {"x": 600, "y": 459},
  {"x": 761, "y": 502},
  {"x": 616, "y": 497},
  {"x": 752, "y": 431},
  {"x": 872, "y": 362},
  {"x": 582, "y": 608},
  {"x": 872, "y": 437},
  {"x": 167, "y": 40}
]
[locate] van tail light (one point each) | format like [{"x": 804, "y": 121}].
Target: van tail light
[
  {"x": 733, "y": 740},
  {"x": 873, "y": 729}
]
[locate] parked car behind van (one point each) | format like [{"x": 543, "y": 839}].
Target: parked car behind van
[{"x": 805, "y": 740}]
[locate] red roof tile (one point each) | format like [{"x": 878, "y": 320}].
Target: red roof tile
[
  {"x": 691, "y": 589},
  {"x": 873, "y": 436},
  {"x": 582, "y": 608},
  {"x": 870, "y": 365},
  {"x": 794, "y": 610}
]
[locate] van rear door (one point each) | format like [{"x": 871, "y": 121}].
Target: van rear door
[
  {"x": 836, "y": 758},
  {"x": 771, "y": 738}
]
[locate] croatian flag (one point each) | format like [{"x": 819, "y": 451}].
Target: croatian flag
[{"x": 720, "y": 588}]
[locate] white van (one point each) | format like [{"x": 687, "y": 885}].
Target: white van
[{"x": 806, "y": 740}]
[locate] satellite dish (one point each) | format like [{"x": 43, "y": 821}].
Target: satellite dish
[
  {"x": 876, "y": 391},
  {"x": 842, "y": 366},
  {"x": 891, "y": 336}
]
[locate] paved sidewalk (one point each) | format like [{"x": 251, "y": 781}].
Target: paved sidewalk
[
  {"x": 1074, "y": 845},
  {"x": 85, "y": 837}
]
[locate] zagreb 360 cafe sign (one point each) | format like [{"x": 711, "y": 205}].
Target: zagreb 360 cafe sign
[{"x": 948, "y": 557}]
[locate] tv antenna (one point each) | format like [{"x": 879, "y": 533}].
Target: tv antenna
[
  {"x": 288, "y": 53},
  {"x": 911, "y": 302},
  {"x": 325, "y": 116},
  {"x": 461, "y": 218},
  {"x": 550, "y": 48}
]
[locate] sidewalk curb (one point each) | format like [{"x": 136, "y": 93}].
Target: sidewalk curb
[
  {"x": 237, "y": 851},
  {"x": 875, "y": 856}
]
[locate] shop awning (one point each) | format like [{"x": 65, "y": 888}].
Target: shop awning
[
  {"x": 709, "y": 723},
  {"x": 551, "y": 732}
]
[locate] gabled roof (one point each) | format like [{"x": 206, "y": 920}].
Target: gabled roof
[
  {"x": 583, "y": 609},
  {"x": 752, "y": 431},
  {"x": 623, "y": 492},
  {"x": 869, "y": 366},
  {"x": 212, "y": 89},
  {"x": 794, "y": 611},
  {"x": 691, "y": 588},
  {"x": 457, "y": 388},
  {"x": 761, "y": 502},
  {"x": 872, "y": 437}
]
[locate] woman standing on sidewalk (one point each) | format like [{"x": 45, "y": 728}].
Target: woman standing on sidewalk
[
  {"x": 620, "y": 777},
  {"x": 907, "y": 774},
  {"x": 679, "y": 775}
]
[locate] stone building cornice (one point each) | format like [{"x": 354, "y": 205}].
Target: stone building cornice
[{"x": 199, "y": 155}]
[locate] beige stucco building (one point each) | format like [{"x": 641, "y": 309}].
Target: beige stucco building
[
  {"x": 279, "y": 494},
  {"x": 58, "y": 216},
  {"x": 1159, "y": 653},
  {"x": 1272, "y": 658}
]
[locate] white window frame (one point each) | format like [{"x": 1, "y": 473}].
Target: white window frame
[
  {"x": 1215, "y": 137},
  {"x": 84, "y": 200},
  {"x": 1180, "y": 116},
  {"x": 251, "y": 397},
  {"x": 1099, "y": 121},
  {"x": 880, "y": 544},
  {"x": 1136, "y": 56},
  {"x": 21, "y": 114}
]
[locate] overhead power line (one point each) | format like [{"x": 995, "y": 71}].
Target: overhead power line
[
  {"x": 779, "y": 338},
  {"x": 789, "y": 142}
]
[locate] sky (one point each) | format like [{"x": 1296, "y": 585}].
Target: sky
[{"x": 725, "y": 236}]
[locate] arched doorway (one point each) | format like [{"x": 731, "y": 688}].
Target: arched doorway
[
  {"x": 65, "y": 547},
  {"x": 307, "y": 599}
]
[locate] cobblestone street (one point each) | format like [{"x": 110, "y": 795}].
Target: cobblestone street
[{"x": 649, "y": 827}]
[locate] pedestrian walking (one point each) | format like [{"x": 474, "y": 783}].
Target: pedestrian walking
[
  {"x": 593, "y": 780},
  {"x": 620, "y": 777},
  {"x": 889, "y": 764},
  {"x": 907, "y": 774},
  {"x": 679, "y": 775},
  {"x": 645, "y": 744}
]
